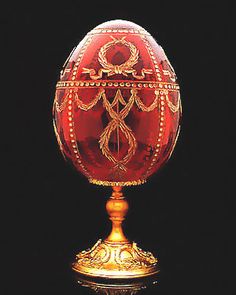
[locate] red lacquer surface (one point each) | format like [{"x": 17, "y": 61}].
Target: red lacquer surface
[{"x": 117, "y": 105}]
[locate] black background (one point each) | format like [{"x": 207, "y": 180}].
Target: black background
[{"x": 185, "y": 214}]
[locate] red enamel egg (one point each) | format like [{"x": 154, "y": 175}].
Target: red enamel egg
[{"x": 117, "y": 105}]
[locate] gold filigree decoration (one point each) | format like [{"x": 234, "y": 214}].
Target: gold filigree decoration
[
  {"x": 125, "y": 68},
  {"x": 105, "y": 257},
  {"x": 118, "y": 84},
  {"x": 86, "y": 107},
  {"x": 152, "y": 106},
  {"x": 170, "y": 74},
  {"x": 117, "y": 122},
  {"x": 117, "y": 183},
  {"x": 131, "y": 256},
  {"x": 64, "y": 69},
  {"x": 58, "y": 138},
  {"x": 61, "y": 107},
  {"x": 173, "y": 108},
  {"x": 175, "y": 141},
  {"x": 96, "y": 256}
]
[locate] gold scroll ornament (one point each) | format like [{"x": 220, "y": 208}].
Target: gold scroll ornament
[{"x": 116, "y": 257}]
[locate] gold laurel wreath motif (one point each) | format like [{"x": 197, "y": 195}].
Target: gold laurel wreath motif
[
  {"x": 124, "y": 68},
  {"x": 118, "y": 122}
]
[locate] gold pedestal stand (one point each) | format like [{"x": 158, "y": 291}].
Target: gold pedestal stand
[{"x": 116, "y": 257}]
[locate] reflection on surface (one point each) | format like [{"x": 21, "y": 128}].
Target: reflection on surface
[{"x": 115, "y": 287}]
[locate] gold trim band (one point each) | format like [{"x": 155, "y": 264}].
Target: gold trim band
[
  {"x": 123, "y": 84},
  {"x": 121, "y": 31},
  {"x": 117, "y": 183}
]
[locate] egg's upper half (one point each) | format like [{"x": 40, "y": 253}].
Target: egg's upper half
[{"x": 117, "y": 105}]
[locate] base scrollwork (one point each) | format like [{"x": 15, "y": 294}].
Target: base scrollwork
[{"x": 115, "y": 260}]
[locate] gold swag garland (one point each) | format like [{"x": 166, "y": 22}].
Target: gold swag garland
[{"x": 118, "y": 119}]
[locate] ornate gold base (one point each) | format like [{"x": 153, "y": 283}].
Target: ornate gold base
[
  {"x": 116, "y": 257},
  {"x": 115, "y": 260}
]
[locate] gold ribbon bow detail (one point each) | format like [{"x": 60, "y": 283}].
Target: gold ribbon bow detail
[{"x": 124, "y": 68}]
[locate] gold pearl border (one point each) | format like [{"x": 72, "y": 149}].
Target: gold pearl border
[
  {"x": 116, "y": 183},
  {"x": 160, "y": 134},
  {"x": 121, "y": 31},
  {"x": 114, "y": 84},
  {"x": 81, "y": 53},
  {"x": 152, "y": 58},
  {"x": 72, "y": 135}
]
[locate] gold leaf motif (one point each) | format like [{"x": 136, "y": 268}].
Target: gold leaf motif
[
  {"x": 86, "y": 107},
  {"x": 124, "y": 68},
  {"x": 117, "y": 121},
  {"x": 60, "y": 107},
  {"x": 173, "y": 108},
  {"x": 152, "y": 106},
  {"x": 58, "y": 138}
]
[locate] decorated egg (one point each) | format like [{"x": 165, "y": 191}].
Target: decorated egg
[{"x": 117, "y": 105}]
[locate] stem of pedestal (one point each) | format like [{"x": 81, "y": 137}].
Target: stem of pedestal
[
  {"x": 117, "y": 208},
  {"x": 116, "y": 257}
]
